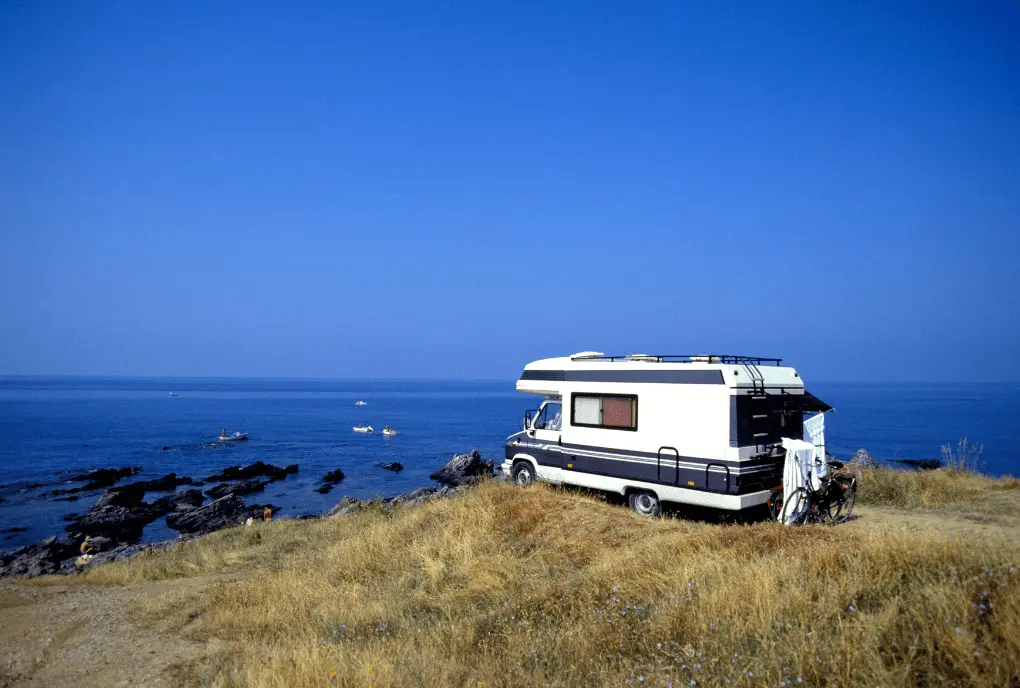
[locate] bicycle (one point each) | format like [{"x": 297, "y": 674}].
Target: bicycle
[{"x": 833, "y": 502}]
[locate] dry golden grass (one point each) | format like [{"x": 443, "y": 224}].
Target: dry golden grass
[
  {"x": 504, "y": 586},
  {"x": 937, "y": 489}
]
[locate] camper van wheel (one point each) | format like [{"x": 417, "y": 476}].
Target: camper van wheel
[
  {"x": 523, "y": 474},
  {"x": 645, "y": 503}
]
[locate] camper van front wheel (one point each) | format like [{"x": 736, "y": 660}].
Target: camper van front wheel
[
  {"x": 645, "y": 503},
  {"x": 523, "y": 474}
]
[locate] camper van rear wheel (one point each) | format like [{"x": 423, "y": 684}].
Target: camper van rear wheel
[
  {"x": 523, "y": 474},
  {"x": 645, "y": 503}
]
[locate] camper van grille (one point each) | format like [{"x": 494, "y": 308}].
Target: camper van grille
[{"x": 685, "y": 358}]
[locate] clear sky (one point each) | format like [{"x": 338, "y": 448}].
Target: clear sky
[{"x": 423, "y": 189}]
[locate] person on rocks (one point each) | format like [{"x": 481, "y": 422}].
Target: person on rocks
[
  {"x": 267, "y": 514},
  {"x": 87, "y": 547}
]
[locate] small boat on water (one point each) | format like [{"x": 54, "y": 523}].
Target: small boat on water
[
  {"x": 173, "y": 394},
  {"x": 362, "y": 428},
  {"x": 236, "y": 437},
  {"x": 359, "y": 402},
  {"x": 389, "y": 432}
]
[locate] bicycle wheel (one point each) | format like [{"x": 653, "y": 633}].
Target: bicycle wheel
[
  {"x": 796, "y": 507},
  {"x": 849, "y": 497},
  {"x": 834, "y": 500},
  {"x": 776, "y": 504}
]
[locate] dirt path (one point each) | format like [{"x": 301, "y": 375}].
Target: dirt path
[
  {"x": 61, "y": 635},
  {"x": 944, "y": 521}
]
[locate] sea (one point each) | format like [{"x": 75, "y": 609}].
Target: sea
[{"x": 54, "y": 427}]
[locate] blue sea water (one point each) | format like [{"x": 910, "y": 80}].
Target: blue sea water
[{"x": 50, "y": 427}]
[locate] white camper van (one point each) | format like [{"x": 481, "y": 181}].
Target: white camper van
[{"x": 703, "y": 430}]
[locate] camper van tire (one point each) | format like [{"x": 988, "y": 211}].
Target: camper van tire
[
  {"x": 523, "y": 473},
  {"x": 645, "y": 503}
]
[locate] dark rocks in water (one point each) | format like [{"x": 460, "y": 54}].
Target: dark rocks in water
[
  {"x": 71, "y": 516},
  {"x": 165, "y": 448},
  {"x": 921, "y": 464},
  {"x": 121, "y": 514},
  {"x": 241, "y": 488},
  {"x": 39, "y": 559},
  {"x": 123, "y": 523},
  {"x": 104, "y": 477},
  {"x": 72, "y": 498},
  {"x": 221, "y": 513},
  {"x": 464, "y": 469},
  {"x": 15, "y": 529},
  {"x": 255, "y": 470},
  {"x": 863, "y": 459},
  {"x": 177, "y": 501},
  {"x": 291, "y": 469},
  {"x": 324, "y": 489},
  {"x": 32, "y": 486},
  {"x": 73, "y": 490},
  {"x": 167, "y": 483},
  {"x": 124, "y": 495},
  {"x": 333, "y": 477},
  {"x": 396, "y": 466}
]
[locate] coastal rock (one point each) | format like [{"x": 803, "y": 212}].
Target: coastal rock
[
  {"x": 39, "y": 559},
  {"x": 863, "y": 459},
  {"x": 167, "y": 483},
  {"x": 258, "y": 511},
  {"x": 333, "y": 477},
  {"x": 324, "y": 489},
  {"x": 104, "y": 477},
  {"x": 178, "y": 501},
  {"x": 120, "y": 513},
  {"x": 921, "y": 464},
  {"x": 464, "y": 469},
  {"x": 102, "y": 544},
  {"x": 291, "y": 469},
  {"x": 126, "y": 495},
  {"x": 396, "y": 466},
  {"x": 255, "y": 470},
  {"x": 350, "y": 505},
  {"x": 221, "y": 513},
  {"x": 241, "y": 488},
  {"x": 122, "y": 523},
  {"x": 114, "y": 552}
]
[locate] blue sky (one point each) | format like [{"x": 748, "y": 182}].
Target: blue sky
[{"x": 453, "y": 189}]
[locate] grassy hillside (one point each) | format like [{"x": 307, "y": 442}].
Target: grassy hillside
[{"x": 507, "y": 586}]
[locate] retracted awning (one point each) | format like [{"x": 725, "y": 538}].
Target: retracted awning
[{"x": 812, "y": 403}]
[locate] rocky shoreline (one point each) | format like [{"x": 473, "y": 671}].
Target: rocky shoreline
[{"x": 114, "y": 524}]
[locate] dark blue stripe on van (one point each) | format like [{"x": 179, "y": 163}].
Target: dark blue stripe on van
[{"x": 676, "y": 377}]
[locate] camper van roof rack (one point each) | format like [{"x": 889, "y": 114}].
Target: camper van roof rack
[{"x": 684, "y": 358}]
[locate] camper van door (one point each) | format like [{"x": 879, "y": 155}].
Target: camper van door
[{"x": 549, "y": 431}]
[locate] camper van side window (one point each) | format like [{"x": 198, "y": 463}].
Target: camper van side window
[{"x": 616, "y": 411}]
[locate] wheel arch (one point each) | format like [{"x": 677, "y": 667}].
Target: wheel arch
[
  {"x": 524, "y": 457},
  {"x": 628, "y": 490}
]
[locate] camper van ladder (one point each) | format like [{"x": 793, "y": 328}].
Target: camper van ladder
[{"x": 760, "y": 421}]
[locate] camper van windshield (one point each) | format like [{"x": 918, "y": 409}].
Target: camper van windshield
[{"x": 550, "y": 418}]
